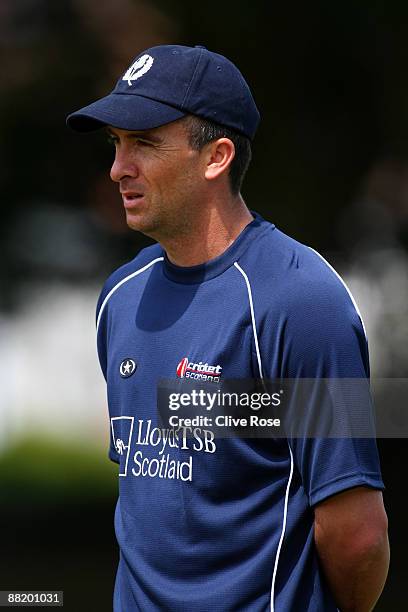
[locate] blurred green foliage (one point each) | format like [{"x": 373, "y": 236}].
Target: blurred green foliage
[{"x": 42, "y": 471}]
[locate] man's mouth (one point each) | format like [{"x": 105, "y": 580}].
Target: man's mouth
[{"x": 131, "y": 198}]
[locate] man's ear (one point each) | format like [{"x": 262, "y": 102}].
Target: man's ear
[{"x": 220, "y": 154}]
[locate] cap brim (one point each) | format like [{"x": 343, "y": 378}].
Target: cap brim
[{"x": 127, "y": 112}]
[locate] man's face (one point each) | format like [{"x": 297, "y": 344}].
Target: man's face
[{"x": 161, "y": 178}]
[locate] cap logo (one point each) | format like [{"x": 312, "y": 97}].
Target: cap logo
[{"x": 138, "y": 68}]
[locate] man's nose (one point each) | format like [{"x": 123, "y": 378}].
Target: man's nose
[{"x": 123, "y": 166}]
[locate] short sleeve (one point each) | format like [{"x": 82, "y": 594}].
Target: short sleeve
[{"x": 324, "y": 338}]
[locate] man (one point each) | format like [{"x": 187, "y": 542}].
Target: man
[{"x": 288, "y": 525}]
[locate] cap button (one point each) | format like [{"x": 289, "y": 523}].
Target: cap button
[{"x": 200, "y": 47}]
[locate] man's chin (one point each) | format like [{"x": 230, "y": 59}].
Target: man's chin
[{"x": 141, "y": 223}]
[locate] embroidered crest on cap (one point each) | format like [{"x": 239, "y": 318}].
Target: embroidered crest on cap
[{"x": 138, "y": 68}]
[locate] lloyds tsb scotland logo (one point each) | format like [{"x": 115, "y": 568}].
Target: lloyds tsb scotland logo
[{"x": 122, "y": 429}]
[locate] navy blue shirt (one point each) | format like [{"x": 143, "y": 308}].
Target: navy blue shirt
[{"x": 226, "y": 524}]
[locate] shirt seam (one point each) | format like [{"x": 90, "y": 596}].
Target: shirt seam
[
  {"x": 342, "y": 479},
  {"x": 233, "y": 260}
]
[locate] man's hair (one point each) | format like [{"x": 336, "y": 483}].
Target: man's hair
[{"x": 202, "y": 131}]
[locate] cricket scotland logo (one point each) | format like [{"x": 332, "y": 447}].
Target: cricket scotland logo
[
  {"x": 198, "y": 371},
  {"x": 138, "y": 68}
]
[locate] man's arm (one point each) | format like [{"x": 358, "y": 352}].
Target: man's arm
[{"x": 352, "y": 543}]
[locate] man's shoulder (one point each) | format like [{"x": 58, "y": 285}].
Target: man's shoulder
[
  {"x": 286, "y": 273},
  {"x": 303, "y": 305},
  {"x": 279, "y": 257},
  {"x": 145, "y": 258}
]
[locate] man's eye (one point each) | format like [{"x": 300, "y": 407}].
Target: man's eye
[
  {"x": 112, "y": 140},
  {"x": 143, "y": 143}
]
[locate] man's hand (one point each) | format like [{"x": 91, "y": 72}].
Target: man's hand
[{"x": 352, "y": 543}]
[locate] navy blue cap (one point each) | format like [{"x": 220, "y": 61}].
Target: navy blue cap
[{"x": 165, "y": 83}]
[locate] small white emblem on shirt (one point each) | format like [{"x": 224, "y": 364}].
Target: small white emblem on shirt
[{"x": 127, "y": 367}]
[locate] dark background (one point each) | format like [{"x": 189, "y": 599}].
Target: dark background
[{"x": 330, "y": 168}]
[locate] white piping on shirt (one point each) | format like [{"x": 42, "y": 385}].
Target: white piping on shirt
[
  {"x": 124, "y": 280},
  {"x": 285, "y": 514},
  {"x": 285, "y": 507},
  {"x": 251, "y": 307},
  {"x": 345, "y": 286}
]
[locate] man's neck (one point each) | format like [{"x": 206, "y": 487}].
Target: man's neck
[{"x": 214, "y": 232}]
